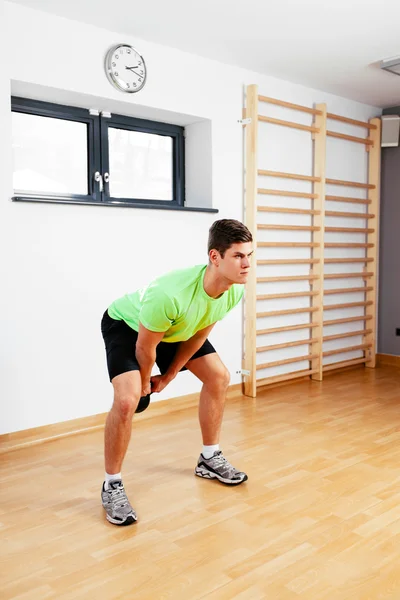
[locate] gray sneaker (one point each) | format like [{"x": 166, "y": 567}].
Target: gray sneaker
[
  {"x": 217, "y": 467},
  {"x": 116, "y": 504}
]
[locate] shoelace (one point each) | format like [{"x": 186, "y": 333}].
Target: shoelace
[
  {"x": 118, "y": 497},
  {"x": 221, "y": 461}
]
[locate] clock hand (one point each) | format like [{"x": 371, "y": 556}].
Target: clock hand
[{"x": 133, "y": 71}]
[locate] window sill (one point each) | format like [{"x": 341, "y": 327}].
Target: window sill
[{"x": 115, "y": 203}]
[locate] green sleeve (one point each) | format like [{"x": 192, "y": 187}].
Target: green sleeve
[{"x": 158, "y": 310}]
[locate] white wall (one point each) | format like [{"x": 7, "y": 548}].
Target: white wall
[
  {"x": 8, "y": 344},
  {"x": 64, "y": 264}
]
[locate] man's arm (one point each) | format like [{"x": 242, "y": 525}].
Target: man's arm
[
  {"x": 146, "y": 354},
  {"x": 182, "y": 356}
]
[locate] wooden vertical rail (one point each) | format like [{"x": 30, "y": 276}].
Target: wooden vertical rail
[
  {"x": 374, "y": 167},
  {"x": 318, "y": 237},
  {"x": 250, "y": 354}
]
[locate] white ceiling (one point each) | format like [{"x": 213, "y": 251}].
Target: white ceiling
[{"x": 332, "y": 45}]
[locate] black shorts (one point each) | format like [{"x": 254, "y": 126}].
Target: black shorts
[{"x": 120, "y": 341}]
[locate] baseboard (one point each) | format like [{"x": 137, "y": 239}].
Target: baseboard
[
  {"x": 388, "y": 359},
  {"x": 47, "y": 433}
]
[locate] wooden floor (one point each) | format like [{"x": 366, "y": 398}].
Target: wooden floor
[{"x": 319, "y": 517}]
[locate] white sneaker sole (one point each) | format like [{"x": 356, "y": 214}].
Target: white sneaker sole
[
  {"x": 130, "y": 520},
  {"x": 206, "y": 474}
]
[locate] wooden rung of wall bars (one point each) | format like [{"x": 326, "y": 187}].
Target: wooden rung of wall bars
[
  {"x": 349, "y": 215},
  {"x": 289, "y": 194},
  {"x": 288, "y": 261},
  {"x": 361, "y": 275},
  {"x": 290, "y": 124},
  {"x": 286, "y": 295},
  {"x": 348, "y": 320},
  {"x": 286, "y": 377},
  {"x": 351, "y": 121},
  {"x": 348, "y": 290},
  {"x": 290, "y": 311},
  {"x": 288, "y": 227},
  {"x": 287, "y": 328},
  {"x": 354, "y": 184},
  {"x": 306, "y": 342},
  {"x": 288, "y": 175},
  {"x": 348, "y": 245},
  {"x": 294, "y": 211},
  {"x": 311, "y": 111},
  {"x": 346, "y": 349},
  {"x": 286, "y": 244},
  {"x": 349, "y": 230},
  {"x": 347, "y": 305},
  {"x": 350, "y": 138},
  {"x": 346, "y": 363},
  {"x": 347, "y": 199},
  {"x": 286, "y": 361},
  {"x": 347, "y": 334},
  {"x": 340, "y": 336},
  {"x": 287, "y": 278},
  {"x": 363, "y": 259}
]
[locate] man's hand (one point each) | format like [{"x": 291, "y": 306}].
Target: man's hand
[
  {"x": 159, "y": 382},
  {"x": 146, "y": 388},
  {"x": 146, "y": 355}
]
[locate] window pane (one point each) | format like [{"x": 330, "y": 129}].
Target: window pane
[
  {"x": 50, "y": 155},
  {"x": 140, "y": 165}
]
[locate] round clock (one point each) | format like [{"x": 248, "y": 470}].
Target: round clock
[{"x": 125, "y": 68}]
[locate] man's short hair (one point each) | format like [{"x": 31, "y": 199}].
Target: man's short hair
[{"x": 225, "y": 232}]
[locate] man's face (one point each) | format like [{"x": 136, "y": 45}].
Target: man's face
[{"x": 235, "y": 265}]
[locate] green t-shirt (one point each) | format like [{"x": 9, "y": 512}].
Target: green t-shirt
[{"x": 175, "y": 303}]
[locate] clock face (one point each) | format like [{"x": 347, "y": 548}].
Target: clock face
[{"x": 126, "y": 68}]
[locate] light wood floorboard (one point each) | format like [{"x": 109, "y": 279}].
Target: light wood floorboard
[{"x": 319, "y": 518}]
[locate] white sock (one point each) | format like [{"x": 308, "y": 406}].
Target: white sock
[
  {"x": 208, "y": 451},
  {"x": 109, "y": 478}
]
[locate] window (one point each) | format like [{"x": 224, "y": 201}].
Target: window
[
  {"x": 67, "y": 154},
  {"x": 144, "y": 159}
]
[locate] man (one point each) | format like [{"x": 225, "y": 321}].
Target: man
[{"x": 168, "y": 323}]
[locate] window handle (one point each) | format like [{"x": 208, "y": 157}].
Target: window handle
[
  {"x": 106, "y": 177},
  {"x": 99, "y": 179}
]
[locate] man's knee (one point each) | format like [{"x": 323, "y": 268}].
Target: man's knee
[
  {"x": 220, "y": 378},
  {"x": 225, "y": 378},
  {"x": 125, "y": 405}
]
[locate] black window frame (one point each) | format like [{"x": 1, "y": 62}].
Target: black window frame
[
  {"x": 153, "y": 127},
  {"x": 98, "y": 156},
  {"x": 67, "y": 113}
]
